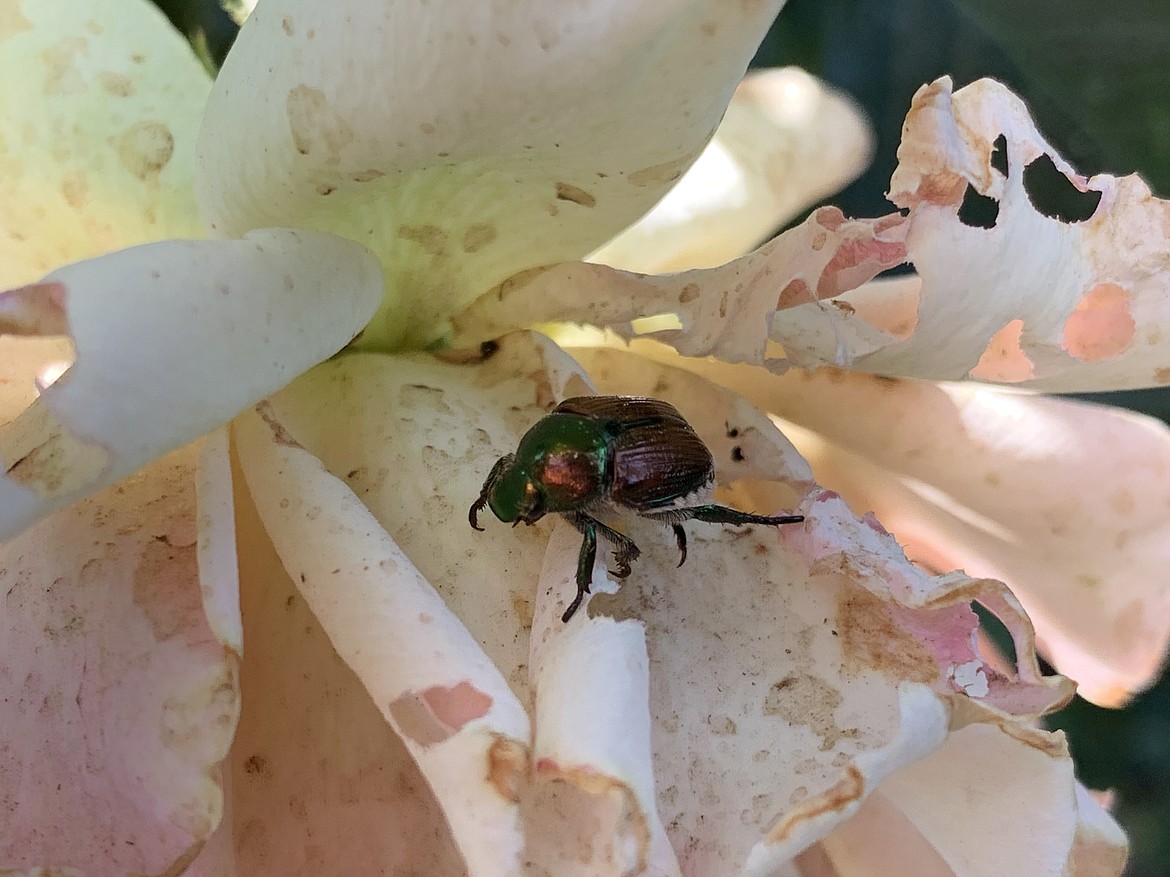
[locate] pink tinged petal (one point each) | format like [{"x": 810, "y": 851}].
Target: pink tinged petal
[
  {"x": 171, "y": 340},
  {"x": 1089, "y": 296},
  {"x": 318, "y": 781},
  {"x": 432, "y": 682},
  {"x": 119, "y": 700},
  {"x": 830, "y": 647},
  {"x": 999, "y": 486},
  {"x": 106, "y": 99},
  {"x": 786, "y": 142},
  {"x": 519, "y": 136},
  {"x": 729, "y": 311},
  {"x": 415, "y": 437}
]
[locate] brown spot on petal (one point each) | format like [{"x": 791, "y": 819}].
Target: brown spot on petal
[
  {"x": 145, "y": 148},
  {"x": 569, "y": 192},
  {"x": 367, "y": 176},
  {"x": 116, "y": 84},
  {"x": 802, "y": 699},
  {"x": 314, "y": 125},
  {"x": 829, "y": 217},
  {"x": 279, "y": 434},
  {"x": 477, "y": 237},
  {"x": 1101, "y": 326},
  {"x": 168, "y": 605},
  {"x": 667, "y": 172},
  {"x": 61, "y": 75},
  {"x": 507, "y": 766},
  {"x": 871, "y": 637},
  {"x": 286, "y": 24},
  {"x": 689, "y": 293},
  {"x": 834, "y": 800},
  {"x": 431, "y": 716},
  {"x": 12, "y": 20},
  {"x": 430, "y": 237}
]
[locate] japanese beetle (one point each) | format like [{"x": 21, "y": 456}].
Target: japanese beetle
[{"x": 595, "y": 454}]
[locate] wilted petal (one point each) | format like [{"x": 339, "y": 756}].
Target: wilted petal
[
  {"x": 117, "y": 699},
  {"x": 171, "y": 340},
  {"x": 729, "y": 311},
  {"x": 1067, "y": 502},
  {"x": 519, "y": 135},
  {"x": 318, "y": 781},
  {"x": 786, "y": 141},
  {"x": 101, "y": 103},
  {"x": 432, "y": 682}
]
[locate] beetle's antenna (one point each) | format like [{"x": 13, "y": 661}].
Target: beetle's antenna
[{"x": 480, "y": 504}]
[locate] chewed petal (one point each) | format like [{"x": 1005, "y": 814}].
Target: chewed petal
[
  {"x": 1065, "y": 501},
  {"x": 787, "y": 141},
  {"x": 519, "y": 135},
  {"x": 106, "y": 99},
  {"x": 795, "y": 669},
  {"x": 728, "y": 311},
  {"x": 117, "y": 699},
  {"x": 1080, "y": 302},
  {"x": 171, "y": 340}
]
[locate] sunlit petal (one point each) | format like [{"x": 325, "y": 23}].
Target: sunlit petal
[
  {"x": 462, "y": 144},
  {"x": 786, "y": 141},
  {"x": 100, "y": 104}
]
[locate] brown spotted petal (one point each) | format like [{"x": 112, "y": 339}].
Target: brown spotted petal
[
  {"x": 170, "y": 340},
  {"x": 518, "y": 134},
  {"x": 118, "y": 698}
]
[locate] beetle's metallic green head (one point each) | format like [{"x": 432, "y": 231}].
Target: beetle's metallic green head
[{"x": 515, "y": 498}]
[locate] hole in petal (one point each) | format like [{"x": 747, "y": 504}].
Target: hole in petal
[
  {"x": 999, "y": 158},
  {"x": 657, "y": 323},
  {"x": 978, "y": 211},
  {"x": 1055, "y": 195}
]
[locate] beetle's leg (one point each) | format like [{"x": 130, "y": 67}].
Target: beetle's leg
[
  {"x": 718, "y": 514},
  {"x": 625, "y": 551},
  {"x": 490, "y": 482},
  {"x": 680, "y": 536},
  {"x": 584, "y": 564}
]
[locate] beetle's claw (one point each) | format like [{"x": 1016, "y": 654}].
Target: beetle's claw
[
  {"x": 473, "y": 514},
  {"x": 680, "y": 537}
]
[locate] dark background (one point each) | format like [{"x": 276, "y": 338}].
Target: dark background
[{"x": 1097, "y": 79}]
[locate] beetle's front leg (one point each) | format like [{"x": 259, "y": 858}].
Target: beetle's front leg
[
  {"x": 489, "y": 482},
  {"x": 585, "y": 561},
  {"x": 625, "y": 551}
]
